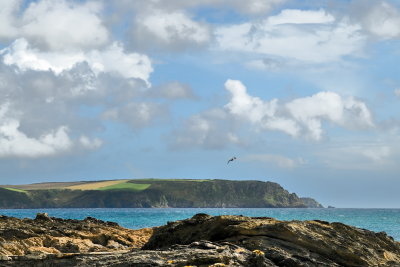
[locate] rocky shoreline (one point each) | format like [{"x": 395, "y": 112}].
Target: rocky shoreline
[{"x": 202, "y": 240}]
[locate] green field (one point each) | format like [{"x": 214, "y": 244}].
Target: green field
[
  {"x": 169, "y": 180},
  {"x": 126, "y": 186},
  {"x": 16, "y": 190}
]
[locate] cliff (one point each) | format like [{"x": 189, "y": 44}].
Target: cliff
[
  {"x": 148, "y": 193},
  {"x": 201, "y": 241}
]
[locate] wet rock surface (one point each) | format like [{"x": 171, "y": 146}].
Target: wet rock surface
[{"x": 200, "y": 241}]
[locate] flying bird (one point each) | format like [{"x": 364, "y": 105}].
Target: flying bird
[{"x": 232, "y": 159}]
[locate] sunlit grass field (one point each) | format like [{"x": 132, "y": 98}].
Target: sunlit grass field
[
  {"x": 16, "y": 190},
  {"x": 126, "y": 186},
  {"x": 96, "y": 185}
]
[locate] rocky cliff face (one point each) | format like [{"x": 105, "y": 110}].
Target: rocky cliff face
[
  {"x": 310, "y": 202},
  {"x": 200, "y": 241},
  {"x": 168, "y": 193}
]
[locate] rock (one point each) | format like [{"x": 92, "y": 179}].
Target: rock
[
  {"x": 54, "y": 235},
  {"x": 200, "y": 254},
  {"x": 201, "y": 241},
  {"x": 310, "y": 202},
  {"x": 42, "y": 217},
  {"x": 286, "y": 243}
]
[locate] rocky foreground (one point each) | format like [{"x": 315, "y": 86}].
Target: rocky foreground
[{"x": 202, "y": 240}]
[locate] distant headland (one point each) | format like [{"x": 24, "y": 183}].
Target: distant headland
[{"x": 153, "y": 193}]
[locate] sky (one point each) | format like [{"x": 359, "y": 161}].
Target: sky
[{"x": 303, "y": 93}]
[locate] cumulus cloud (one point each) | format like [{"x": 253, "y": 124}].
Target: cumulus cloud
[
  {"x": 55, "y": 24},
  {"x": 262, "y": 114},
  {"x": 14, "y": 142},
  {"x": 243, "y": 104},
  {"x": 43, "y": 106},
  {"x": 300, "y": 118},
  {"x": 62, "y": 25},
  {"x": 86, "y": 142},
  {"x": 168, "y": 30},
  {"x": 378, "y": 18},
  {"x": 8, "y": 10},
  {"x": 111, "y": 59},
  {"x": 317, "y": 35},
  {"x": 329, "y": 106},
  {"x": 279, "y": 160}
]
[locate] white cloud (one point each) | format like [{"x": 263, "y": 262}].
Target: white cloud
[
  {"x": 295, "y": 16},
  {"x": 317, "y": 36},
  {"x": 242, "y": 104},
  {"x": 310, "y": 111},
  {"x": 54, "y": 24},
  {"x": 262, "y": 114},
  {"x": 13, "y": 142},
  {"x": 88, "y": 143},
  {"x": 381, "y": 19},
  {"x": 169, "y": 30},
  {"x": 111, "y": 59},
  {"x": 286, "y": 125},
  {"x": 7, "y": 18},
  {"x": 25, "y": 57},
  {"x": 114, "y": 59},
  {"x": 281, "y": 161},
  {"x": 299, "y": 116}
]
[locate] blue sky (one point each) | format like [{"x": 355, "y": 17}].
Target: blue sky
[{"x": 303, "y": 93}]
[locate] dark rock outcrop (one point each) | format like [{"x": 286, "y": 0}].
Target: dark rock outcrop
[
  {"x": 311, "y": 203},
  {"x": 196, "y": 254},
  {"x": 201, "y": 241},
  {"x": 286, "y": 243}
]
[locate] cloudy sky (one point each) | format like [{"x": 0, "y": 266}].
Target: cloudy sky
[{"x": 303, "y": 93}]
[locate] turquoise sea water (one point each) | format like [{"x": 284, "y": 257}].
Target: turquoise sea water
[{"x": 377, "y": 220}]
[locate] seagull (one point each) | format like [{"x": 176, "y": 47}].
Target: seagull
[{"x": 232, "y": 159}]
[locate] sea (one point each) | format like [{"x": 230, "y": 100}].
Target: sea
[{"x": 378, "y": 220}]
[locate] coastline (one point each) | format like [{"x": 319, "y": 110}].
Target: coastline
[
  {"x": 134, "y": 218},
  {"x": 201, "y": 240}
]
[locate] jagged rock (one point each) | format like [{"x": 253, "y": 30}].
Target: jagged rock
[
  {"x": 200, "y": 241},
  {"x": 286, "y": 243},
  {"x": 42, "y": 217},
  {"x": 199, "y": 254},
  {"x": 51, "y": 235}
]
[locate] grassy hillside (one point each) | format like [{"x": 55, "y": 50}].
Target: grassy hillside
[
  {"x": 126, "y": 186},
  {"x": 152, "y": 193}
]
